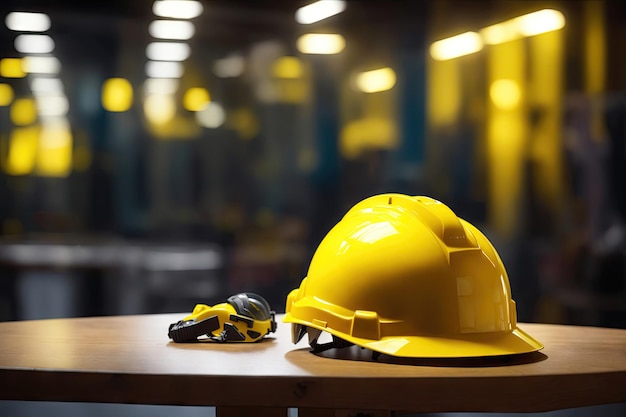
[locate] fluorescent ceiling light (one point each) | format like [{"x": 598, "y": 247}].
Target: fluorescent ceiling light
[
  {"x": 160, "y": 86},
  {"x": 456, "y": 46},
  {"x": 41, "y": 65},
  {"x": 46, "y": 86},
  {"x": 57, "y": 123},
  {"x": 159, "y": 108},
  {"x": 168, "y": 51},
  {"x": 531, "y": 24},
  {"x": 55, "y": 135},
  {"x": 542, "y": 21},
  {"x": 177, "y": 9},
  {"x": 499, "y": 33},
  {"x": 163, "y": 69},
  {"x": 229, "y": 67},
  {"x": 27, "y": 22},
  {"x": 319, "y": 10},
  {"x": 211, "y": 116},
  {"x": 171, "y": 29},
  {"x": 376, "y": 80},
  {"x": 52, "y": 105},
  {"x": 321, "y": 43},
  {"x": 34, "y": 44}
]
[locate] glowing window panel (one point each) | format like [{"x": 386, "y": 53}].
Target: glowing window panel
[
  {"x": 41, "y": 65},
  {"x": 11, "y": 68},
  {"x": 117, "y": 95},
  {"x": 177, "y": 9},
  {"x": 196, "y": 98},
  {"x": 456, "y": 46},
  {"x": 28, "y": 22},
  {"x": 34, "y": 44},
  {"x": 164, "y": 69},
  {"x": 319, "y": 10},
  {"x": 321, "y": 43},
  {"x": 168, "y": 51},
  {"x": 376, "y": 80},
  {"x": 6, "y": 94},
  {"x": 171, "y": 29}
]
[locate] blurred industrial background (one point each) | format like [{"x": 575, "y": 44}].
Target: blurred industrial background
[{"x": 156, "y": 154}]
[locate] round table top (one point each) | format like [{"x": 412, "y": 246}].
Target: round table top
[{"x": 129, "y": 359}]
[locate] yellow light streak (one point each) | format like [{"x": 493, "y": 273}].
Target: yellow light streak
[
  {"x": 456, "y": 46},
  {"x": 319, "y": 10},
  {"x": 531, "y": 24},
  {"x": 376, "y": 80}
]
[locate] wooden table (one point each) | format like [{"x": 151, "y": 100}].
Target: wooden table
[{"x": 129, "y": 359}]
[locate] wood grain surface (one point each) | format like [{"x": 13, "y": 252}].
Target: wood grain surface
[{"x": 129, "y": 359}]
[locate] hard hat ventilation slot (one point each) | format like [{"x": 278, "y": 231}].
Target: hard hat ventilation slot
[
  {"x": 321, "y": 341},
  {"x": 336, "y": 343},
  {"x": 313, "y": 334}
]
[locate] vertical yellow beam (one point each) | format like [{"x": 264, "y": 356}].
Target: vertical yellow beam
[
  {"x": 546, "y": 90},
  {"x": 444, "y": 97},
  {"x": 595, "y": 62},
  {"x": 506, "y": 137},
  {"x": 444, "y": 92},
  {"x": 595, "y": 47}
]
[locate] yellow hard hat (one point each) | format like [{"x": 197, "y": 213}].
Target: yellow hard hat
[{"x": 405, "y": 276}]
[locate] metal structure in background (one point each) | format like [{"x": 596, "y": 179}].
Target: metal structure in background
[{"x": 68, "y": 279}]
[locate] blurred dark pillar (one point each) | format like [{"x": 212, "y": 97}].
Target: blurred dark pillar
[
  {"x": 325, "y": 185},
  {"x": 406, "y": 162}
]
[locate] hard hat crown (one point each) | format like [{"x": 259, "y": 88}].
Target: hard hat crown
[{"x": 402, "y": 274}]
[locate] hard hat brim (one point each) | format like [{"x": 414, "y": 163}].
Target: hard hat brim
[{"x": 465, "y": 345}]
